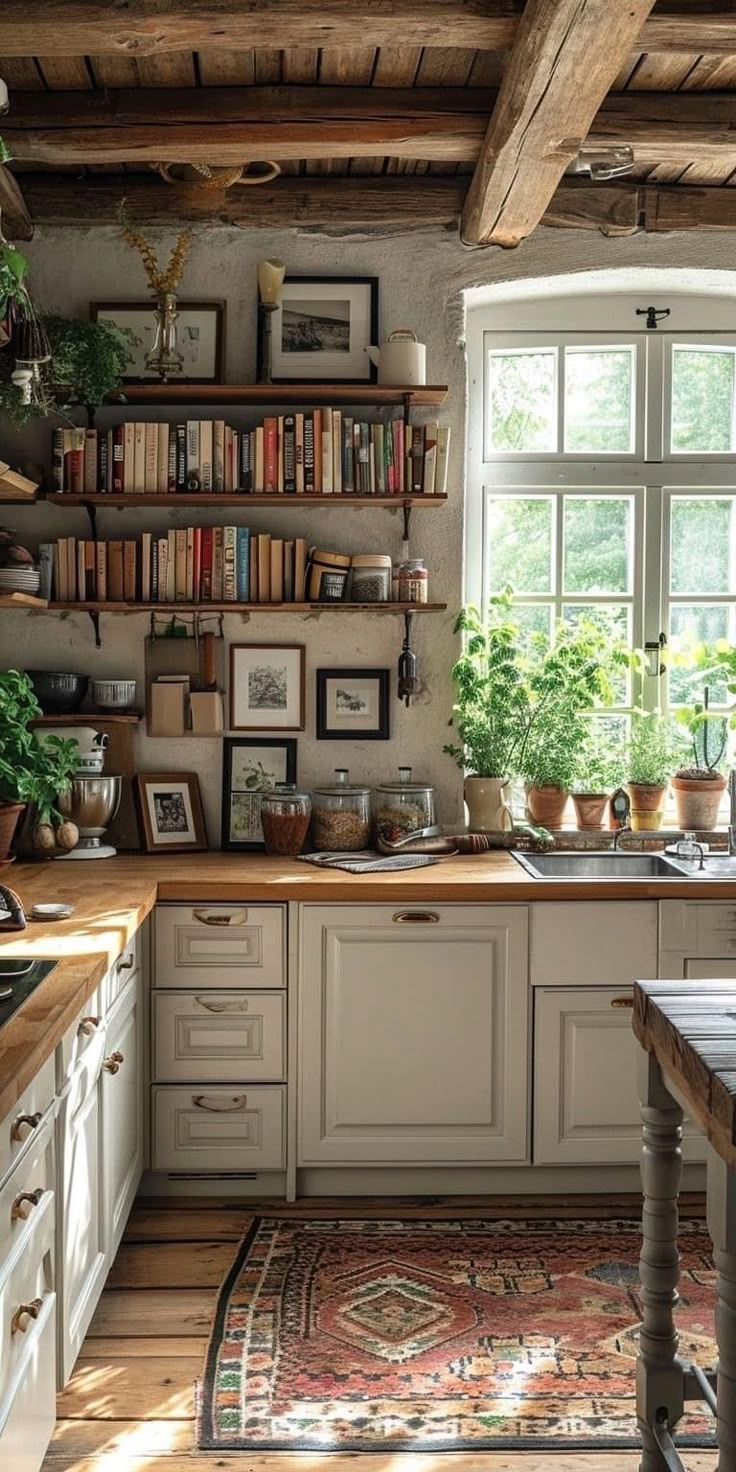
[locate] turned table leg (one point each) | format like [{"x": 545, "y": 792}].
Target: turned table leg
[
  {"x": 722, "y": 1228},
  {"x": 659, "y": 1375}
]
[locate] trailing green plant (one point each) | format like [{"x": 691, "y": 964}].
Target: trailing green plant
[
  {"x": 13, "y": 270},
  {"x": 601, "y": 766},
  {"x": 31, "y": 771},
  {"x": 652, "y": 750}
]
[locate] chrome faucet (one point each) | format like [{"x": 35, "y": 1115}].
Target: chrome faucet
[
  {"x": 618, "y": 835},
  {"x": 732, "y": 813}
]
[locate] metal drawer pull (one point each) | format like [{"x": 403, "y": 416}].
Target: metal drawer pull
[
  {"x": 88, "y": 1025},
  {"x": 113, "y": 1063},
  {"x": 216, "y": 1105},
  {"x": 25, "y": 1311},
  {"x": 29, "y": 1198},
  {"x": 217, "y": 917},
  {"x": 31, "y": 1120},
  {"x": 416, "y": 917},
  {"x": 128, "y": 964},
  {"x": 622, "y": 1002},
  {"x": 240, "y": 1006}
]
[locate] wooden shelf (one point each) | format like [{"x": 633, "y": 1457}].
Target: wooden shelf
[
  {"x": 132, "y": 499},
  {"x": 117, "y": 717},
  {"x": 381, "y": 395},
  {"x": 173, "y": 608},
  {"x": 21, "y": 600}
]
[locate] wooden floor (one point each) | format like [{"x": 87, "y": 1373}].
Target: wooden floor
[{"x": 129, "y": 1406}]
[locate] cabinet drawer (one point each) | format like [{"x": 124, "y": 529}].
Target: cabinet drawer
[
  {"x": 219, "y": 1035},
  {"x": 24, "y": 1118},
  {"x": 26, "y": 1188},
  {"x": 596, "y": 943},
  {"x": 219, "y": 946},
  {"x": 127, "y": 965},
  {"x": 28, "y": 1412},
  {"x": 28, "y": 1280},
  {"x": 79, "y": 1037},
  {"x": 698, "y": 928},
  {"x": 217, "y": 1129}
]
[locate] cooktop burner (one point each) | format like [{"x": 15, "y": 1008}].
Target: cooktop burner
[{"x": 18, "y": 979}]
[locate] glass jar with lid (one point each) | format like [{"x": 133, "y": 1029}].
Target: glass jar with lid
[
  {"x": 285, "y": 815},
  {"x": 403, "y": 808},
  {"x": 341, "y": 815},
  {"x": 371, "y": 578},
  {"x": 413, "y": 581}
]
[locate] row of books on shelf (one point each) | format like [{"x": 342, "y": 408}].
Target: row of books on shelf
[
  {"x": 324, "y": 451},
  {"x": 223, "y": 564}
]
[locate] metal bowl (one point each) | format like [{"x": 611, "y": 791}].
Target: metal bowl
[{"x": 91, "y": 803}]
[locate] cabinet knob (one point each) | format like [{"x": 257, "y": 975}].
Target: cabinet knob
[
  {"x": 127, "y": 964},
  {"x": 416, "y": 917},
  {"x": 221, "y": 917},
  {"x": 622, "y": 1002},
  {"x": 24, "y": 1122},
  {"x": 25, "y": 1199},
  {"x": 88, "y": 1025},
  {"x": 217, "y": 1105},
  {"x": 113, "y": 1063},
  {"x": 24, "y": 1312}
]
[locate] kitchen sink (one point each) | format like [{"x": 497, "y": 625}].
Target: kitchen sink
[{"x": 603, "y": 864}]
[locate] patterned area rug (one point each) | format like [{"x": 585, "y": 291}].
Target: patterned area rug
[{"x": 440, "y": 1335}]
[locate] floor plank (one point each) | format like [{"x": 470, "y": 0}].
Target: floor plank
[
  {"x": 206, "y": 1224},
  {"x": 171, "y": 1265},
  {"x": 150, "y": 1311},
  {"x": 131, "y": 1389},
  {"x": 154, "y": 1348}
]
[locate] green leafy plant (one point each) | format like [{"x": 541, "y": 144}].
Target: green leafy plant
[
  {"x": 652, "y": 751},
  {"x": 705, "y": 731},
  {"x": 13, "y": 269},
  {"x": 492, "y": 711},
  {"x": 601, "y": 766},
  {"x": 568, "y": 678},
  {"x": 31, "y": 771},
  {"x": 88, "y": 359}
]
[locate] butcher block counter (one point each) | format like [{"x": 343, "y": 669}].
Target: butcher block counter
[{"x": 113, "y": 897}]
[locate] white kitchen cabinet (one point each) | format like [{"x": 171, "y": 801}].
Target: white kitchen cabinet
[
  {"x": 122, "y": 1110},
  {"x": 586, "y": 1087},
  {"x": 219, "y": 1130},
  {"x": 82, "y": 1259},
  {"x": 412, "y": 1034},
  {"x": 213, "y": 1036},
  {"x": 219, "y": 946},
  {"x": 593, "y": 942}
]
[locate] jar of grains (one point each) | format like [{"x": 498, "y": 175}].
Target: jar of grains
[
  {"x": 285, "y": 815},
  {"x": 327, "y": 576},
  {"x": 341, "y": 815},
  {"x": 371, "y": 581},
  {"x": 413, "y": 582},
  {"x": 403, "y": 808}
]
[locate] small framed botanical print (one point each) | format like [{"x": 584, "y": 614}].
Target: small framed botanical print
[
  {"x": 353, "y": 705},
  {"x": 267, "y": 687},
  {"x": 171, "y": 812},
  {"x": 322, "y": 328},
  {"x": 250, "y": 767},
  {"x": 200, "y": 337}
]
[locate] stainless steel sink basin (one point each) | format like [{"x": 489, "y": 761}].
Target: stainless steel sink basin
[
  {"x": 600, "y": 864},
  {"x": 717, "y": 866}
]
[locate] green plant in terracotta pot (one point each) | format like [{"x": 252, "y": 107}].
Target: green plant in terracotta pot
[
  {"x": 601, "y": 770},
  {"x": 699, "y": 784},
  {"x": 31, "y": 772},
  {"x": 651, "y": 758}
]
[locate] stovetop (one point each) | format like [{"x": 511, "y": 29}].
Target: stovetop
[{"x": 18, "y": 979}]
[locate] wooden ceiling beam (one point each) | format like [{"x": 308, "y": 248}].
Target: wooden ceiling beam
[
  {"x": 156, "y": 27},
  {"x": 566, "y": 57},
  {"x": 14, "y": 216}
]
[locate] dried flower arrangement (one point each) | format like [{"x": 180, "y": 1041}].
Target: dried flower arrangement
[{"x": 160, "y": 281}]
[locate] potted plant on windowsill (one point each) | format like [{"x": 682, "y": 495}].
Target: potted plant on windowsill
[
  {"x": 651, "y": 759},
  {"x": 699, "y": 787},
  {"x": 600, "y": 772},
  {"x": 31, "y": 771}
]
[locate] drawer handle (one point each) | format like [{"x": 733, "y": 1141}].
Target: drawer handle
[
  {"x": 26, "y": 1198},
  {"x": 88, "y": 1025},
  {"x": 416, "y": 917},
  {"x": 32, "y": 1121},
  {"x": 25, "y": 1311},
  {"x": 216, "y": 1105},
  {"x": 217, "y": 917},
  {"x": 622, "y": 1002},
  {"x": 113, "y": 1063},
  {"x": 239, "y": 1006},
  {"x": 127, "y": 964}
]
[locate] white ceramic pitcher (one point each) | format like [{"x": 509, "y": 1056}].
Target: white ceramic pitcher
[{"x": 401, "y": 359}]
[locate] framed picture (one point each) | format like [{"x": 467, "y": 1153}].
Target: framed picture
[
  {"x": 171, "y": 812},
  {"x": 321, "y": 329},
  {"x": 267, "y": 687},
  {"x": 353, "y": 705},
  {"x": 200, "y": 337},
  {"x": 250, "y": 767}
]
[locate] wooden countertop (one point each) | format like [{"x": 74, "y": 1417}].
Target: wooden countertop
[{"x": 114, "y": 896}]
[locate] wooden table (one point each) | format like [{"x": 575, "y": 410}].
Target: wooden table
[{"x": 688, "y": 1031}]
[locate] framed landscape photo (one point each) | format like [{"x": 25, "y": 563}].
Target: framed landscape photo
[
  {"x": 250, "y": 767},
  {"x": 200, "y": 337},
  {"x": 267, "y": 687},
  {"x": 353, "y": 705},
  {"x": 171, "y": 812},
  {"x": 321, "y": 329}
]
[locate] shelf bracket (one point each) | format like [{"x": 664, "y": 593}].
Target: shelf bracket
[
  {"x": 407, "y": 519},
  {"x": 91, "y": 510},
  {"x": 95, "y": 617}
]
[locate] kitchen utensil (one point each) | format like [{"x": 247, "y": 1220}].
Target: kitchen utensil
[
  {"x": 57, "y": 692},
  {"x": 12, "y": 916},
  {"x": 91, "y": 802},
  {"x": 114, "y": 694},
  {"x": 401, "y": 359},
  {"x": 51, "y": 912}
]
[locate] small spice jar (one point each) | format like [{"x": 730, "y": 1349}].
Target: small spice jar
[
  {"x": 404, "y": 807},
  {"x": 413, "y": 581},
  {"x": 371, "y": 580},
  {"x": 341, "y": 815},
  {"x": 328, "y": 575},
  {"x": 285, "y": 815}
]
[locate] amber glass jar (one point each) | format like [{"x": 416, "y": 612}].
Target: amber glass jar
[{"x": 285, "y": 815}]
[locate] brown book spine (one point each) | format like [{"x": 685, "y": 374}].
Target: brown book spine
[
  {"x": 264, "y": 568},
  {"x": 277, "y": 570},
  {"x": 115, "y": 572},
  {"x": 130, "y": 570}
]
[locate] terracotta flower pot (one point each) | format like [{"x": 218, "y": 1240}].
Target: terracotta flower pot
[
  {"x": 647, "y": 805},
  {"x": 590, "y": 809},
  {"x": 546, "y": 805},
  {"x": 488, "y": 811},
  {"x": 697, "y": 801},
  {"x": 9, "y": 815}
]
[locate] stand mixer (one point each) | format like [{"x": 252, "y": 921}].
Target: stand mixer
[{"x": 94, "y": 796}]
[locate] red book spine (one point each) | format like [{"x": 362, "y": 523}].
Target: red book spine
[
  {"x": 118, "y": 445},
  {"x": 206, "y": 565},
  {"x": 271, "y": 454}
]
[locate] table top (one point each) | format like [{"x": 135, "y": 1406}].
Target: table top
[{"x": 690, "y": 1027}]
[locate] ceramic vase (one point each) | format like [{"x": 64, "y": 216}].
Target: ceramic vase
[{"x": 488, "y": 811}]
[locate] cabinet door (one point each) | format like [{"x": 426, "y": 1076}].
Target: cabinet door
[
  {"x": 122, "y": 1108},
  {"x": 412, "y": 1035},
  {"x": 82, "y": 1246},
  {"x": 586, "y": 1087}
]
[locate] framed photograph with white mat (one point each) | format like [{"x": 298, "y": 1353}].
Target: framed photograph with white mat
[
  {"x": 200, "y": 337},
  {"x": 266, "y": 687},
  {"x": 321, "y": 329},
  {"x": 250, "y": 767},
  {"x": 171, "y": 812},
  {"x": 353, "y": 705}
]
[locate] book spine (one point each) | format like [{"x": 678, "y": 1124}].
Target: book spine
[
  {"x": 246, "y": 463},
  {"x": 90, "y": 461},
  {"x": 229, "y": 557},
  {"x": 129, "y": 456},
  {"x": 150, "y": 473},
  {"x": 280, "y": 454},
  {"x": 289, "y": 455},
  {"x": 348, "y": 481},
  {"x": 417, "y": 460},
  {"x": 206, "y": 575},
  {"x": 146, "y": 543},
  {"x": 270, "y": 455},
  {"x": 317, "y": 422},
  {"x": 193, "y": 482},
  {"x": 242, "y": 564},
  {"x": 101, "y": 571},
  {"x": 277, "y": 570},
  {"x": 430, "y": 457},
  {"x": 103, "y": 463},
  {"x": 443, "y": 457},
  {"x": 162, "y": 459},
  {"x": 205, "y": 455},
  {"x": 218, "y": 456},
  {"x": 299, "y": 453},
  {"x": 337, "y": 451},
  {"x": 218, "y": 564},
  {"x": 139, "y": 458},
  {"x": 264, "y": 568},
  {"x": 190, "y": 564},
  {"x": 197, "y": 564},
  {"x": 180, "y": 554},
  {"x": 57, "y": 466},
  {"x": 327, "y": 452},
  {"x": 118, "y": 451},
  {"x": 171, "y": 575},
  {"x": 76, "y": 462},
  {"x": 309, "y": 454},
  {"x": 130, "y": 562},
  {"x": 155, "y": 546},
  {"x": 181, "y": 457}
]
